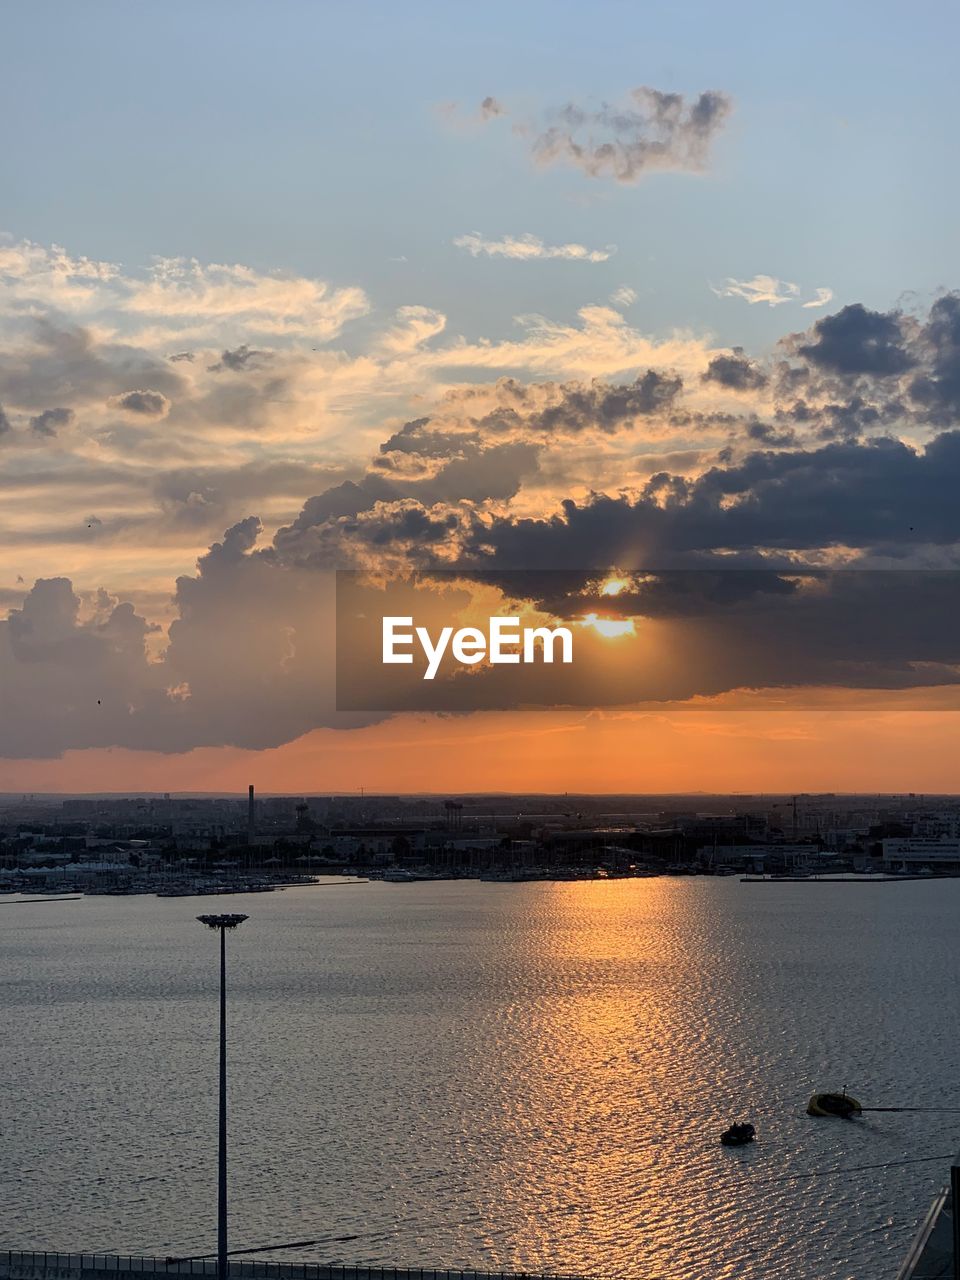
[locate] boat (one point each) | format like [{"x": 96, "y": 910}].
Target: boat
[
  {"x": 841, "y": 1105},
  {"x": 738, "y": 1135}
]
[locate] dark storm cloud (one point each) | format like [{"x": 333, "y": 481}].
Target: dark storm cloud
[
  {"x": 651, "y": 131},
  {"x": 736, "y": 372},
  {"x": 858, "y": 341},
  {"x": 49, "y": 422}
]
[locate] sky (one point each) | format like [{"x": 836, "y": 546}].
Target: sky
[{"x": 628, "y": 290}]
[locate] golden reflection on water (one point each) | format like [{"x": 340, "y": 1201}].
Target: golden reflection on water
[{"x": 636, "y": 1065}]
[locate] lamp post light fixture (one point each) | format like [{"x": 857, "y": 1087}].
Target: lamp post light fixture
[{"x": 223, "y": 923}]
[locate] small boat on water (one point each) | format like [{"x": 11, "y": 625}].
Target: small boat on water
[
  {"x": 738, "y": 1135},
  {"x": 834, "y": 1104}
]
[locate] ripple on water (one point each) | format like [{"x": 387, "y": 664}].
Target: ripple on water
[{"x": 508, "y": 1076}]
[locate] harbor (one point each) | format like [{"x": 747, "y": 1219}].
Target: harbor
[{"x": 184, "y": 847}]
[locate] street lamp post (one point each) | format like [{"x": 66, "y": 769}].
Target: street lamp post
[{"x": 223, "y": 923}]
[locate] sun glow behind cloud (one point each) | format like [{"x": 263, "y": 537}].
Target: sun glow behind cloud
[{"x": 609, "y": 628}]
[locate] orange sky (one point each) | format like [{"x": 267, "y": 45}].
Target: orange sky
[{"x": 846, "y": 743}]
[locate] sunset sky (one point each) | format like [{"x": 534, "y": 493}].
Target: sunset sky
[{"x": 625, "y": 290}]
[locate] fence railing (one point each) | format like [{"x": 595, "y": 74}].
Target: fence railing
[{"x": 34, "y": 1260}]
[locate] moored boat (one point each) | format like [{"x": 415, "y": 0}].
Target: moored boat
[
  {"x": 738, "y": 1135},
  {"x": 833, "y": 1104}
]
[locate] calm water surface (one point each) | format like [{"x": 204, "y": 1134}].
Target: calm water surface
[{"x": 511, "y": 1076}]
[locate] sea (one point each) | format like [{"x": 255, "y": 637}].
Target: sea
[{"x": 512, "y": 1077}]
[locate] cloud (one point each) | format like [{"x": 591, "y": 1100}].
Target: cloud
[
  {"x": 822, "y": 298},
  {"x": 66, "y": 679},
  {"x": 652, "y": 131},
  {"x": 769, "y": 289},
  {"x": 873, "y": 496},
  {"x": 76, "y": 673},
  {"x": 236, "y": 361},
  {"x": 536, "y": 411},
  {"x": 352, "y": 522},
  {"x": 79, "y": 673},
  {"x": 172, "y": 473},
  {"x": 576, "y": 407},
  {"x": 415, "y": 437},
  {"x": 856, "y": 340},
  {"x": 413, "y": 327},
  {"x": 51, "y": 360},
  {"x": 49, "y": 421},
  {"x": 736, "y": 372},
  {"x": 490, "y": 108},
  {"x": 649, "y": 132},
  {"x": 527, "y": 248},
  {"x": 562, "y": 441},
  {"x": 147, "y": 404},
  {"x": 624, "y": 296},
  {"x": 760, "y": 289},
  {"x": 178, "y": 299},
  {"x": 937, "y": 389},
  {"x": 50, "y": 275},
  {"x": 199, "y": 298}
]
